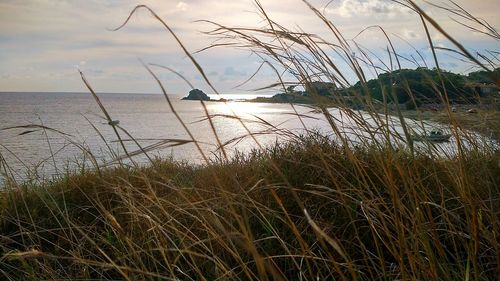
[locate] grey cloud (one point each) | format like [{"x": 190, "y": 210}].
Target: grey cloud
[
  {"x": 410, "y": 34},
  {"x": 230, "y": 71},
  {"x": 450, "y": 65},
  {"x": 367, "y": 8},
  {"x": 50, "y": 34}
]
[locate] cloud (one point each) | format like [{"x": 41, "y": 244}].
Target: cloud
[
  {"x": 410, "y": 34},
  {"x": 55, "y": 35},
  {"x": 450, "y": 65},
  {"x": 182, "y": 6},
  {"x": 367, "y": 8},
  {"x": 436, "y": 36},
  {"x": 230, "y": 71}
]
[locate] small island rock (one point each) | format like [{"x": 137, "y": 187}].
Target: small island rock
[{"x": 197, "y": 94}]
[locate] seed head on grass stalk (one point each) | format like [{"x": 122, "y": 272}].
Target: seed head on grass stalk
[{"x": 105, "y": 112}]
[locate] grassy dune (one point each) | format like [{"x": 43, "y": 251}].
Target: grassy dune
[{"x": 309, "y": 209}]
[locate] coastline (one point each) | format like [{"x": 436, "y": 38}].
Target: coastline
[{"x": 483, "y": 121}]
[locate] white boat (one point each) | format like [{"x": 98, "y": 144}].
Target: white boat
[{"x": 434, "y": 136}]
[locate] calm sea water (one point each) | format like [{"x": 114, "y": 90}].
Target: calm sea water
[
  {"x": 146, "y": 117},
  {"x": 77, "y": 124}
]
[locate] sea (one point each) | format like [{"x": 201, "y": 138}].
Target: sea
[
  {"x": 46, "y": 134},
  {"x": 43, "y": 135}
]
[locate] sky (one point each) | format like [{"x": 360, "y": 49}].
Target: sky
[{"x": 43, "y": 43}]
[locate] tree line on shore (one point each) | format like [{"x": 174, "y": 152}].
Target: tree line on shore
[
  {"x": 429, "y": 86},
  {"x": 420, "y": 86},
  {"x": 405, "y": 86}
]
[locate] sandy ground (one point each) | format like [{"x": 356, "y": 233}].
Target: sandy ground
[{"x": 486, "y": 122}]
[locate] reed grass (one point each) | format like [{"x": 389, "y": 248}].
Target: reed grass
[{"x": 314, "y": 208}]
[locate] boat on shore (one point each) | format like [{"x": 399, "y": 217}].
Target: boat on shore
[{"x": 433, "y": 136}]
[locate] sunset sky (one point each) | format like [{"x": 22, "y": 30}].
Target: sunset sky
[{"x": 44, "y": 42}]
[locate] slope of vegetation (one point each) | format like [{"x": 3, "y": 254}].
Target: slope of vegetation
[
  {"x": 402, "y": 86},
  {"x": 310, "y": 208}
]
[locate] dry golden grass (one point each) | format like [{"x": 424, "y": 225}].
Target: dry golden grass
[
  {"x": 310, "y": 209},
  {"x": 327, "y": 213}
]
